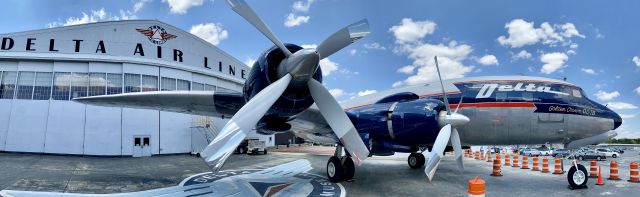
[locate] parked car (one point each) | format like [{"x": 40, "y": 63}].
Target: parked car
[
  {"x": 561, "y": 153},
  {"x": 545, "y": 151},
  {"x": 495, "y": 150},
  {"x": 619, "y": 150},
  {"x": 607, "y": 152},
  {"x": 591, "y": 155},
  {"x": 531, "y": 152}
]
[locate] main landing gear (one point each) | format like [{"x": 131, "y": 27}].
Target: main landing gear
[
  {"x": 416, "y": 160},
  {"x": 339, "y": 167},
  {"x": 577, "y": 176}
]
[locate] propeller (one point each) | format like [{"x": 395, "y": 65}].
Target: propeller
[
  {"x": 296, "y": 71},
  {"x": 448, "y": 132}
]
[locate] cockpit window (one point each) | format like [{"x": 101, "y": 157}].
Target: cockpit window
[{"x": 576, "y": 93}]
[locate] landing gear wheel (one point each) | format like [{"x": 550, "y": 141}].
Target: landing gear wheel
[
  {"x": 349, "y": 169},
  {"x": 577, "y": 177},
  {"x": 335, "y": 170},
  {"x": 416, "y": 160}
]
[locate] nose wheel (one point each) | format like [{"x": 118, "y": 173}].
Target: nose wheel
[
  {"x": 340, "y": 168},
  {"x": 416, "y": 160}
]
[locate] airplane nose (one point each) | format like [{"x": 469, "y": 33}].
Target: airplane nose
[{"x": 617, "y": 121}]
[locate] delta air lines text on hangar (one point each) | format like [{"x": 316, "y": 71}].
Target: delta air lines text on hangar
[{"x": 160, "y": 44}]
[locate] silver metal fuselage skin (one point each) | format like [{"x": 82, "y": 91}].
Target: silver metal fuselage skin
[{"x": 494, "y": 121}]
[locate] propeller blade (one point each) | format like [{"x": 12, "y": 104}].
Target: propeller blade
[
  {"x": 343, "y": 37},
  {"x": 438, "y": 148},
  {"x": 241, "y": 123},
  {"x": 339, "y": 122},
  {"x": 243, "y": 9},
  {"x": 457, "y": 148},
  {"x": 459, "y": 102},
  {"x": 444, "y": 94}
]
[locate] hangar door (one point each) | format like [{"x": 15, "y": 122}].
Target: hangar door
[{"x": 141, "y": 146}]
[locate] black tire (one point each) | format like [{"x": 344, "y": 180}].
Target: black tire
[
  {"x": 614, "y": 156},
  {"x": 580, "y": 174},
  {"x": 598, "y": 158},
  {"x": 415, "y": 160},
  {"x": 580, "y": 158},
  {"x": 265, "y": 151},
  {"x": 335, "y": 170},
  {"x": 349, "y": 169}
]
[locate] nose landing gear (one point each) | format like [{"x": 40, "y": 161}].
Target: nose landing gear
[{"x": 339, "y": 167}]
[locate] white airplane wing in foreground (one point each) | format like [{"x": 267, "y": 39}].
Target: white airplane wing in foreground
[{"x": 205, "y": 103}]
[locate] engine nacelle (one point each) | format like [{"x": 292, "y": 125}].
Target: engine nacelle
[
  {"x": 263, "y": 73},
  {"x": 406, "y": 122}
]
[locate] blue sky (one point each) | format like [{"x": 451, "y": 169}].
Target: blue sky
[{"x": 592, "y": 44}]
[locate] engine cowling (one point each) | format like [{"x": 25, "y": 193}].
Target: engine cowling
[
  {"x": 294, "y": 99},
  {"x": 404, "y": 123}
]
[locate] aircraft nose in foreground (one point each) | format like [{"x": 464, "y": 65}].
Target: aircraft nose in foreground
[{"x": 617, "y": 120}]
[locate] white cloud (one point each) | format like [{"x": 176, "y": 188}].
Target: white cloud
[
  {"x": 295, "y": 20},
  {"x": 606, "y": 96},
  {"x": 374, "y": 45},
  {"x": 573, "y": 46},
  {"x": 570, "y": 30},
  {"x": 181, "y": 6},
  {"x": 249, "y": 62},
  {"x": 295, "y": 17},
  {"x": 553, "y": 62},
  {"x": 336, "y": 92},
  {"x": 366, "y": 92},
  {"x": 139, "y": 4},
  {"x": 397, "y": 84},
  {"x": 522, "y": 55},
  {"x": 488, "y": 60},
  {"x": 408, "y": 69},
  {"x": 353, "y": 52},
  {"x": 327, "y": 66},
  {"x": 627, "y": 116},
  {"x": 637, "y": 90},
  {"x": 210, "y": 32},
  {"x": 523, "y": 33},
  {"x": 94, "y": 16},
  {"x": 411, "y": 31},
  {"x": 408, "y": 35},
  {"x": 620, "y": 105},
  {"x": 589, "y": 71},
  {"x": 636, "y": 60},
  {"x": 300, "y": 6}
]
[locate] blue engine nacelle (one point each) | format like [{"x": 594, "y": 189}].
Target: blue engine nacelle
[
  {"x": 292, "y": 101},
  {"x": 399, "y": 123}
]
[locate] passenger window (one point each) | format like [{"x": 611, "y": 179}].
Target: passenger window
[
  {"x": 501, "y": 96},
  {"x": 527, "y": 96}
]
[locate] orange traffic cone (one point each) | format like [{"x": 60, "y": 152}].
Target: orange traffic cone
[
  {"x": 535, "y": 164},
  {"x": 600, "y": 176},
  {"x": 593, "y": 167},
  {"x": 476, "y": 187},
  {"x": 489, "y": 159},
  {"x": 633, "y": 173},
  {"x": 613, "y": 171},
  {"x": 525, "y": 162},
  {"x": 496, "y": 168}
]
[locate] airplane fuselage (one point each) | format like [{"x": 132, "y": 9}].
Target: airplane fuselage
[{"x": 503, "y": 110}]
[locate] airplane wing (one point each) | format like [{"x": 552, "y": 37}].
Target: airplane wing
[
  {"x": 309, "y": 124},
  {"x": 207, "y": 103}
]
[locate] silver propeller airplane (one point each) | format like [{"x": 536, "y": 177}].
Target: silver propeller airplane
[{"x": 285, "y": 82}]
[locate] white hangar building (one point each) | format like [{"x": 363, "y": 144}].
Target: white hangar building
[{"x": 42, "y": 70}]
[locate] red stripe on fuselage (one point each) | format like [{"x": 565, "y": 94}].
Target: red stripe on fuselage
[
  {"x": 494, "y": 105},
  {"x": 515, "y": 80},
  {"x": 478, "y": 105}
]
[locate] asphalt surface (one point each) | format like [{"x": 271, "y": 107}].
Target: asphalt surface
[{"x": 378, "y": 176}]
